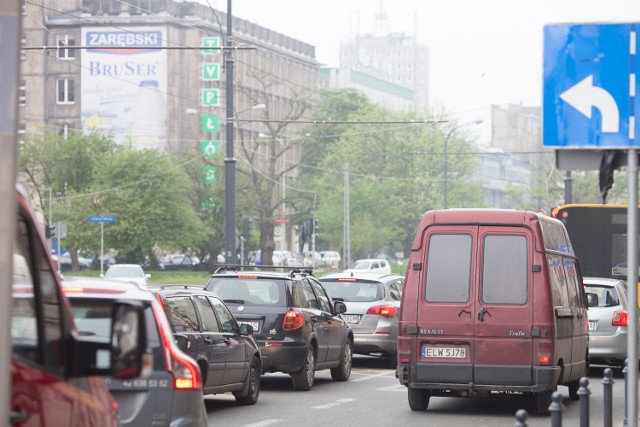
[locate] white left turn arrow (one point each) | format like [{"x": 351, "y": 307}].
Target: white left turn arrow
[{"x": 584, "y": 95}]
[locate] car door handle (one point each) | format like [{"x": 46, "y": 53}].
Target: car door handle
[{"x": 208, "y": 341}]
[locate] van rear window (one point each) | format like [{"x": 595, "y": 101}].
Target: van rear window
[
  {"x": 448, "y": 268},
  {"x": 504, "y": 269}
]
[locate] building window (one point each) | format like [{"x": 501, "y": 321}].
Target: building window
[
  {"x": 66, "y": 91},
  {"x": 22, "y": 132},
  {"x": 65, "y": 48},
  {"x": 22, "y": 93},
  {"x": 63, "y": 130},
  {"x": 23, "y": 42}
]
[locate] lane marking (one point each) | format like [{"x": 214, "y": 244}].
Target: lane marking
[
  {"x": 264, "y": 423},
  {"x": 369, "y": 376},
  {"x": 331, "y": 405},
  {"x": 397, "y": 387}
]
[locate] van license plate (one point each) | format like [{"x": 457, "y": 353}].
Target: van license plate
[{"x": 444, "y": 352}]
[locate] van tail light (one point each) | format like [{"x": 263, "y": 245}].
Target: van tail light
[
  {"x": 544, "y": 359},
  {"x": 404, "y": 351},
  {"x": 620, "y": 318},
  {"x": 387, "y": 311},
  {"x": 292, "y": 320},
  {"x": 186, "y": 373}
]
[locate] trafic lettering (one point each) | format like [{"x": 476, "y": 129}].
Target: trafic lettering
[{"x": 129, "y": 68}]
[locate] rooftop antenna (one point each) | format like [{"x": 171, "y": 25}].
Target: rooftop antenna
[{"x": 381, "y": 24}]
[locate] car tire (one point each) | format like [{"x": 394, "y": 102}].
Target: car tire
[
  {"x": 540, "y": 402},
  {"x": 249, "y": 396},
  {"x": 303, "y": 379},
  {"x": 573, "y": 387},
  {"x": 343, "y": 371},
  {"x": 418, "y": 399},
  {"x": 393, "y": 360}
]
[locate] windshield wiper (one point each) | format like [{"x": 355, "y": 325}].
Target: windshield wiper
[{"x": 234, "y": 301}]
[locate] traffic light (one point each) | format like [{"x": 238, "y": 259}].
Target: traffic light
[
  {"x": 50, "y": 231},
  {"x": 315, "y": 226},
  {"x": 246, "y": 228}
]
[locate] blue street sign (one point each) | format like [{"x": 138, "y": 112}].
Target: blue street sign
[
  {"x": 102, "y": 218},
  {"x": 589, "y": 85}
]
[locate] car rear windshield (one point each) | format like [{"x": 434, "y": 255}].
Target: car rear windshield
[
  {"x": 249, "y": 290},
  {"x": 124, "y": 272},
  {"x": 354, "y": 290},
  {"x": 93, "y": 318},
  {"x": 601, "y": 296}
]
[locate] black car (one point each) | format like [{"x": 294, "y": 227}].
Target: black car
[
  {"x": 205, "y": 329},
  {"x": 298, "y": 327}
]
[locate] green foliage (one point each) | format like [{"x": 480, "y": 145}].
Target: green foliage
[{"x": 149, "y": 197}]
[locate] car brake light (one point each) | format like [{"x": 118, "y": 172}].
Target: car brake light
[
  {"x": 620, "y": 318},
  {"x": 544, "y": 359},
  {"x": 247, "y": 277},
  {"x": 346, "y": 279},
  {"x": 292, "y": 320},
  {"x": 186, "y": 373},
  {"x": 387, "y": 311}
]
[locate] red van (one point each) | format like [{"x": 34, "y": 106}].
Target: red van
[
  {"x": 54, "y": 369},
  {"x": 493, "y": 303}
]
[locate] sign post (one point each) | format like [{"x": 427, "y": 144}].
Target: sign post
[
  {"x": 102, "y": 219},
  {"x": 589, "y": 103}
]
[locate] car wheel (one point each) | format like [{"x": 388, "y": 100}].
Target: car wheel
[
  {"x": 252, "y": 385},
  {"x": 343, "y": 371},
  {"x": 393, "y": 360},
  {"x": 303, "y": 379},
  {"x": 540, "y": 402},
  {"x": 418, "y": 399},
  {"x": 573, "y": 387}
]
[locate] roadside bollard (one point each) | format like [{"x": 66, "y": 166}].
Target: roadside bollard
[
  {"x": 555, "y": 408},
  {"x": 521, "y": 418},
  {"x": 584, "y": 393},
  {"x": 607, "y": 383}
]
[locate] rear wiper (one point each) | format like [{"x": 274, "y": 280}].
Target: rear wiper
[{"x": 234, "y": 301}]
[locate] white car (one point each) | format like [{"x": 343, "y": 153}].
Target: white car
[
  {"x": 127, "y": 273},
  {"x": 371, "y": 265},
  {"x": 330, "y": 258}
]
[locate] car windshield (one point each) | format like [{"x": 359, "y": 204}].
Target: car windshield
[
  {"x": 350, "y": 291},
  {"x": 124, "y": 272},
  {"x": 249, "y": 291}
]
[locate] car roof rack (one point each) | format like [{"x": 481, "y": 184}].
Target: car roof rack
[
  {"x": 242, "y": 267},
  {"x": 177, "y": 286}
]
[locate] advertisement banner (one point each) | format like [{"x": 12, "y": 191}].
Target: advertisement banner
[{"x": 124, "y": 90}]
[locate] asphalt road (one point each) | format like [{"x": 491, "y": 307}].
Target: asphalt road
[{"x": 374, "y": 397}]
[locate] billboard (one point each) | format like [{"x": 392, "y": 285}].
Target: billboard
[{"x": 124, "y": 89}]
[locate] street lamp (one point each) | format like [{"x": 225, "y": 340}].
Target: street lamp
[{"x": 444, "y": 154}]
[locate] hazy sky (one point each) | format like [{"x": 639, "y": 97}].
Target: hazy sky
[{"x": 481, "y": 52}]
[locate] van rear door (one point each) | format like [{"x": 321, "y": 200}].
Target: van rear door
[
  {"x": 503, "y": 312},
  {"x": 446, "y": 309}
]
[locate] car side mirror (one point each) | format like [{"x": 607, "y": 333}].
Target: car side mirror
[
  {"x": 182, "y": 342},
  {"x": 246, "y": 329},
  {"x": 122, "y": 355},
  {"x": 128, "y": 340},
  {"x": 147, "y": 276},
  {"x": 339, "y": 307}
]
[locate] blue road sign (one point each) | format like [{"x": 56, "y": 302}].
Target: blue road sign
[
  {"x": 589, "y": 86},
  {"x": 102, "y": 218}
]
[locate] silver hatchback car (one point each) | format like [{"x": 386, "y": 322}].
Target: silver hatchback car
[
  {"x": 373, "y": 305},
  {"x": 608, "y": 320}
]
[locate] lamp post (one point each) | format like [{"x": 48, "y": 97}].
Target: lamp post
[{"x": 444, "y": 155}]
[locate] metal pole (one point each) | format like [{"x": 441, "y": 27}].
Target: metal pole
[
  {"x": 632, "y": 280},
  {"x": 58, "y": 244},
  {"x": 229, "y": 161},
  {"x": 101, "y": 248},
  {"x": 568, "y": 188},
  {"x": 444, "y": 170},
  {"x": 607, "y": 385}
]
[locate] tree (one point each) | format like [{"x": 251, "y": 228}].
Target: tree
[
  {"x": 268, "y": 158},
  {"x": 149, "y": 198},
  {"x": 60, "y": 169}
]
